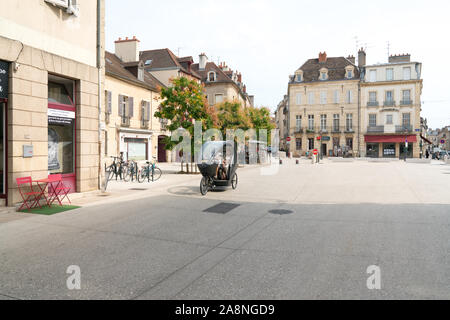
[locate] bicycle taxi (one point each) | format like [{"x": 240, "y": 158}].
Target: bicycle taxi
[{"x": 219, "y": 165}]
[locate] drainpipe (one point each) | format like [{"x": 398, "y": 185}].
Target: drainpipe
[
  {"x": 359, "y": 119},
  {"x": 99, "y": 68}
]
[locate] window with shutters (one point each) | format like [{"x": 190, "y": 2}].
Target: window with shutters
[
  {"x": 108, "y": 106},
  {"x": 126, "y": 109},
  {"x": 299, "y": 99},
  {"x": 145, "y": 114}
]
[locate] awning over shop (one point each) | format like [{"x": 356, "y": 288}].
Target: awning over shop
[{"x": 392, "y": 139}]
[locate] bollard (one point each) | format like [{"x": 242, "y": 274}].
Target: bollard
[
  {"x": 281, "y": 161},
  {"x": 297, "y": 162}
]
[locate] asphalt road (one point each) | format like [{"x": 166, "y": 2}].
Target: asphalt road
[{"x": 164, "y": 246}]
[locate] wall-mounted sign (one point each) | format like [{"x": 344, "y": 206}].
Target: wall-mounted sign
[
  {"x": 326, "y": 138},
  {"x": 4, "y": 79},
  {"x": 61, "y": 113},
  {"x": 28, "y": 151}
]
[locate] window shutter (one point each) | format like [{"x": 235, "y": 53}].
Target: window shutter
[
  {"x": 109, "y": 102},
  {"x": 130, "y": 107},
  {"x": 148, "y": 111},
  {"x": 121, "y": 111}
]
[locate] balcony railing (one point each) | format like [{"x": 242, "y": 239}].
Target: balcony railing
[
  {"x": 375, "y": 129},
  {"x": 125, "y": 122},
  {"x": 336, "y": 130},
  {"x": 389, "y": 103},
  {"x": 403, "y": 129},
  {"x": 145, "y": 124},
  {"x": 373, "y": 104},
  {"x": 298, "y": 130},
  {"x": 406, "y": 102}
]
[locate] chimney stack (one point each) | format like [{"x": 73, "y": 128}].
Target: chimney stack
[
  {"x": 239, "y": 77},
  {"x": 361, "y": 58},
  {"x": 400, "y": 58},
  {"x": 322, "y": 57},
  {"x": 203, "y": 59},
  {"x": 128, "y": 50},
  {"x": 351, "y": 59}
]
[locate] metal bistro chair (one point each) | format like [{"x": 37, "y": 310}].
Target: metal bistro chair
[
  {"x": 28, "y": 196},
  {"x": 57, "y": 191}
]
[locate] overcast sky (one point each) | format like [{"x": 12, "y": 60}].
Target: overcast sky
[{"x": 268, "y": 40}]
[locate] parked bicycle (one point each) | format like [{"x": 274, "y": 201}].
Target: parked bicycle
[
  {"x": 131, "y": 171},
  {"x": 150, "y": 172},
  {"x": 116, "y": 169}
]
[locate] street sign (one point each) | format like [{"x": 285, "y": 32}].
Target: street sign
[
  {"x": 315, "y": 152},
  {"x": 319, "y": 138},
  {"x": 442, "y": 141},
  {"x": 288, "y": 139}
]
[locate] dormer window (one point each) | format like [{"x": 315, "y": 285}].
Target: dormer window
[
  {"x": 212, "y": 76},
  {"x": 323, "y": 74},
  {"x": 349, "y": 72},
  {"x": 299, "y": 76}
]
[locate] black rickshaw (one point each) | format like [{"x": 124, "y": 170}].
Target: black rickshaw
[{"x": 219, "y": 165}]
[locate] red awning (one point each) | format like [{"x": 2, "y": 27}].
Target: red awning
[{"x": 393, "y": 139}]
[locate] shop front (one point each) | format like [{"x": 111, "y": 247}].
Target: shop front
[
  {"x": 4, "y": 82},
  {"x": 389, "y": 146},
  {"x": 61, "y": 130},
  {"x": 135, "y": 145}
]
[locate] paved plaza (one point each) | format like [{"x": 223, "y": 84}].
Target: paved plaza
[{"x": 307, "y": 232}]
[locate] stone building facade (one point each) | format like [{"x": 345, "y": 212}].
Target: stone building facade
[
  {"x": 323, "y": 107},
  {"x": 391, "y": 103},
  {"x": 49, "y": 102},
  {"x": 221, "y": 83},
  {"x": 131, "y": 99}
]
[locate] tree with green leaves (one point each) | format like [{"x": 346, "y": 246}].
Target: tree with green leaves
[
  {"x": 232, "y": 116},
  {"x": 183, "y": 103}
]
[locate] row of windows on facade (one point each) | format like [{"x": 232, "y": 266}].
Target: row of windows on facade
[
  {"x": 389, "y": 120},
  {"x": 389, "y": 75},
  {"x": 126, "y": 107},
  {"x": 324, "y": 75},
  {"x": 311, "y": 143},
  {"x": 406, "y": 121},
  {"x": 324, "y": 97},
  {"x": 389, "y": 97},
  {"x": 323, "y": 122}
]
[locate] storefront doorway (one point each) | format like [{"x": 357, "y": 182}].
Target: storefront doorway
[
  {"x": 61, "y": 130},
  {"x": 162, "y": 153},
  {"x": 409, "y": 152},
  {"x": 372, "y": 150},
  {"x": 3, "y": 161}
]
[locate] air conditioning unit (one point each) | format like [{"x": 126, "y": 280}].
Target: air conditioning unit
[{"x": 59, "y": 3}]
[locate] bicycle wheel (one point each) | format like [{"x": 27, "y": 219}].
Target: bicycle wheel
[
  {"x": 234, "y": 181},
  {"x": 127, "y": 174},
  {"x": 157, "y": 173},
  {"x": 109, "y": 173},
  {"x": 142, "y": 175}
]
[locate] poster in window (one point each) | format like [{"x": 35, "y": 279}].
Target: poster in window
[{"x": 61, "y": 145}]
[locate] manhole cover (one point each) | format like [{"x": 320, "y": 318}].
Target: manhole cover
[
  {"x": 138, "y": 189},
  {"x": 222, "y": 208},
  {"x": 281, "y": 212}
]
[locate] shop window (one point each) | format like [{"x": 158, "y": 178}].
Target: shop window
[
  {"x": 350, "y": 143},
  {"x": 61, "y": 127},
  {"x": 298, "y": 144},
  {"x": 311, "y": 144}
]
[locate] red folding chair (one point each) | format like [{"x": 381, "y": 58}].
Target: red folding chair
[
  {"x": 30, "y": 196},
  {"x": 57, "y": 190}
]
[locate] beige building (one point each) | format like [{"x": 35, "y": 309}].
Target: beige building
[
  {"x": 221, "y": 83},
  {"x": 51, "y": 54},
  {"x": 131, "y": 99},
  {"x": 391, "y": 104},
  {"x": 281, "y": 116},
  {"x": 323, "y": 107},
  {"x": 164, "y": 65}
]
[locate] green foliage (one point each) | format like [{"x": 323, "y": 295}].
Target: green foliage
[{"x": 183, "y": 103}]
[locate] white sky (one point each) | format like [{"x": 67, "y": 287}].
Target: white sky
[{"x": 268, "y": 40}]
